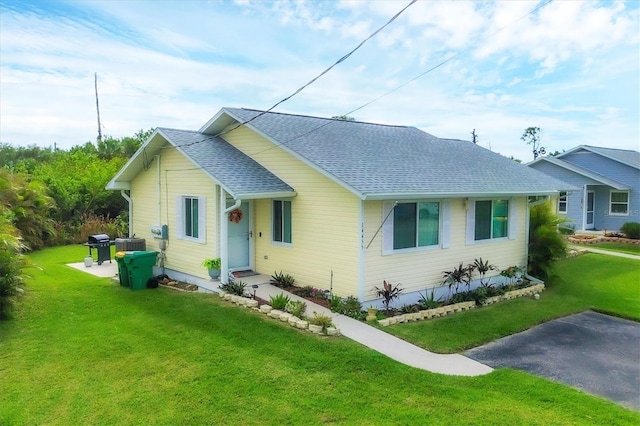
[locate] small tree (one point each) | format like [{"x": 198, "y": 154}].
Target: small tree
[
  {"x": 533, "y": 136},
  {"x": 546, "y": 245}
]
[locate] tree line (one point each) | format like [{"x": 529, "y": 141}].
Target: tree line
[{"x": 50, "y": 195}]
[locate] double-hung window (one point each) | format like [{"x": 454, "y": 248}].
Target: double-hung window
[
  {"x": 491, "y": 219},
  {"x": 282, "y": 221},
  {"x": 619, "y": 203},
  {"x": 191, "y": 218},
  {"x": 416, "y": 225},
  {"x": 563, "y": 202}
]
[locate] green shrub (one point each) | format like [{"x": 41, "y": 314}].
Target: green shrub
[
  {"x": 296, "y": 308},
  {"x": 282, "y": 280},
  {"x": 279, "y": 301},
  {"x": 12, "y": 265},
  {"x": 546, "y": 245},
  {"x": 321, "y": 319},
  {"x": 234, "y": 287},
  {"x": 631, "y": 230},
  {"x": 428, "y": 301},
  {"x": 335, "y": 303},
  {"x": 351, "y": 307}
]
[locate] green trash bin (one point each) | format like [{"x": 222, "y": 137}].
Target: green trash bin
[
  {"x": 140, "y": 267},
  {"x": 123, "y": 272}
]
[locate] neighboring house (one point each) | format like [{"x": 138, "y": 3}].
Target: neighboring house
[
  {"x": 340, "y": 205},
  {"x": 608, "y": 181}
]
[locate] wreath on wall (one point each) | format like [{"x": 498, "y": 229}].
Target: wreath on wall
[{"x": 235, "y": 215}]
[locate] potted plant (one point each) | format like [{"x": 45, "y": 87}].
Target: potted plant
[{"x": 213, "y": 266}]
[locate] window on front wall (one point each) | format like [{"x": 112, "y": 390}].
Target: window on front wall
[
  {"x": 562, "y": 202},
  {"x": 619, "y": 203},
  {"x": 191, "y": 217},
  {"x": 416, "y": 225},
  {"x": 282, "y": 221},
  {"x": 491, "y": 219}
]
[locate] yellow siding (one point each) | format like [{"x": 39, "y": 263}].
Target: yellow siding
[
  {"x": 419, "y": 270},
  {"x": 154, "y": 203},
  {"x": 325, "y": 222}
]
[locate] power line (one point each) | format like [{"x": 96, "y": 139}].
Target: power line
[
  {"x": 329, "y": 121},
  {"x": 393, "y": 18}
]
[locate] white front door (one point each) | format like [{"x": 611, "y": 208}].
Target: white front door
[
  {"x": 239, "y": 236},
  {"x": 590, "y": 208}
]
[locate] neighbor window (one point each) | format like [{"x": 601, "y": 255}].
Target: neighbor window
[
  {"x": 191, "y": 217},
  {"x": 416, "y": 225},
  {"x": 491, "y": 219},
  {"x": 562, "y": 202},
  {"x": 619, "y": 204},
  {"x": 282, "y": 221}
]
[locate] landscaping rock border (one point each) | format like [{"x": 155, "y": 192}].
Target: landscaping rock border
[
  {"x": 268, "y": 310},
  {"x": 459, "y": 307},
  {"x": 589, "y": 239}
]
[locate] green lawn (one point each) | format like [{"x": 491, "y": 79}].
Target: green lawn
[
  {"x": 592, "y": 281},
  {"x": 83, "y": 350},
  {"x": 619, "y": 247}
]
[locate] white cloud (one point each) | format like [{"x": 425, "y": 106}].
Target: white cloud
[{"x": 572, "y": 68}]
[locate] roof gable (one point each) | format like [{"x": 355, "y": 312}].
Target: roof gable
[
  {"x": 624, "y": 156},
  {"x": 239, "y": 175},
  {"x": 580, "y": 171}
]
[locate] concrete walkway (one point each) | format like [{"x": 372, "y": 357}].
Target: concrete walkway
[
  {"x": 599, "y": 251},
  {"x": 387, "y": 344}
]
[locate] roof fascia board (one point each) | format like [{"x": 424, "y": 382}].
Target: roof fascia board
[
  {"x": 113, "y": 182},
  {"x": 216, "y": 124},
  {"x": 266, "y": 195},
  {"x": 309, "y": 163},
  {"x": 432, "y": 195}
]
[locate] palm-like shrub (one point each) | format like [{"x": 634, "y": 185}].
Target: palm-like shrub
[
  {"x": 546, "y": 245},
  {"x": 12, "y": 265}
]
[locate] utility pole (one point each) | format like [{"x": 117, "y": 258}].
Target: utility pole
[{"x": 99, "y": 139}]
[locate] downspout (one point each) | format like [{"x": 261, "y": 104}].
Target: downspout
[
  {"x": 128, "y": 199},
  {"x": 224, "y": 249},
  {"x": 159, "y": 222},
  {"x": 361, "y": 255}
]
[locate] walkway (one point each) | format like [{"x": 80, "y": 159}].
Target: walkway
[{"x": 387, "y": 344}]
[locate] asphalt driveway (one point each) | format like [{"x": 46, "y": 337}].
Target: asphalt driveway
[{"x": 596, "y": 353}]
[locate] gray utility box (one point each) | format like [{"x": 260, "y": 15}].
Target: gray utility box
[{"x": 131, "y": 244}]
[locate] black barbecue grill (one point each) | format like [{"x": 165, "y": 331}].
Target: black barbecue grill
[{"x": 102, "y": 244}]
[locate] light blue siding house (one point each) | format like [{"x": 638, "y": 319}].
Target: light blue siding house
[{"x": 610, "y": 186}]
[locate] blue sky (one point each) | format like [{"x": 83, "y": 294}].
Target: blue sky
[{"x": 571, "y": 68}]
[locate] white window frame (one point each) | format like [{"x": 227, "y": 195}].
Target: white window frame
[
  {"x": 471, "y": 220},
  {"x": 181, "y": 217},
  {"x": 611, "y": 202},
  {"x": 444, "y": 225},
  {"x": 563, "y": 199},
  {"x": 273, "y": 218}
]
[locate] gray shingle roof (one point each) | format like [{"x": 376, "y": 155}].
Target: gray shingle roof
[
  {"x": 239, "y": 174},
  {"x": 378, "y": 161}
]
